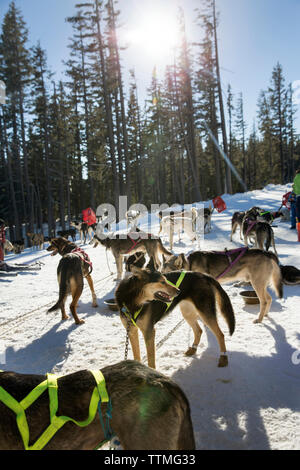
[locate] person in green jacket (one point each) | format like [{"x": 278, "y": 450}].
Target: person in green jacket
[{"x": 296, "y": 189}]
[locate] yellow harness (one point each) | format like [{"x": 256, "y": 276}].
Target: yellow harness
[{"x": 99, "y": 396}]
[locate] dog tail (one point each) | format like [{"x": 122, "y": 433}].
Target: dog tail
[
  {"x": 63, "y": 289},
  {"x": 269, "y": 237},
  {"x": 277, "y": 280},
  {"x": 225, "y": 307},
  {"x": 164, "y": 250}
]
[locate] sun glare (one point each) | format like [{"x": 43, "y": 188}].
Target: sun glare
[{"x": 156, "y": 35}]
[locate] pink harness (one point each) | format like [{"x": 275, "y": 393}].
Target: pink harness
[
  {"x": 241, "y": 252},
  {"x": 251, "y": 226},
  {"x": 84, "y": 257}
]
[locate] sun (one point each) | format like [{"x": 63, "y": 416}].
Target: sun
[{"x": 156, "y": 34}]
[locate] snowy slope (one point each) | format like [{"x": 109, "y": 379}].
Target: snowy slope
[{"x": 252, "y": 404}]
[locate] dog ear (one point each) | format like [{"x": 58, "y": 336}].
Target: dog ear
[
  {"x": 138, "y": 272},
  {"x": 179, "y": 262}
]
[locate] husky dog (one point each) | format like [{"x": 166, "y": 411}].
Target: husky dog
[
  {"x": 290, "y": 275},
  {"x": 261, "y": 232},
  {"x": 128, "y": 244},
  {"x": 185, "y": 222},
  {"x": 259, "y": 267},
  {"x": 147, "y": 296},
  {"x": 36, "y": 239},
  {"x": 18, "y": 246},
  {"x": 68, "y": 233},
  {"x": 72, "y": 268},
  {"x": 237, "y": 221},
  {"x": 132, "y": 218},
  {"x": 85, "y": 230},
  {"x": 164, "y": 423},
  {"x": 207, "y": 213}
]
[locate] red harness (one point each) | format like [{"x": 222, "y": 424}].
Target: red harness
[
  {"x": 84, "y": 257},
  {"x": 134, "y": 243}
]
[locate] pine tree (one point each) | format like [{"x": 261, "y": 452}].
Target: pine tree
[
  {"x": 41, "y": 76},
  {"x": 277, "y": 92},
  {"x": 16, "y": 72},
  {"x": 241, "y": 126}
]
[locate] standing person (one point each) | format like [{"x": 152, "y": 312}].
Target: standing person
[
  {"x": 296, "y": 189},
  {"x": 292, "y": 201}
]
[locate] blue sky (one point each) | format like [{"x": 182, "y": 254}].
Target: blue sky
[{"x": 253, "y": 36}]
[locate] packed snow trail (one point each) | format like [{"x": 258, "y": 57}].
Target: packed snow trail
[{"x": 252, "y": 404}]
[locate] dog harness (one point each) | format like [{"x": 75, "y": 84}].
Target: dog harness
[
  {"x": 251, "y": 225},
  {"x": 241, "y": 252},
  {"x": 99, "y": 396},
  {"x": 84, "y": 257},
  {"x": 134, "y": 243},
  {"x": 133, "y": 317}
]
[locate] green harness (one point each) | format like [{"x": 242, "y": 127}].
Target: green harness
[
  {"x": 99, "y": 396},
  {"x": 133, "y": 317}
]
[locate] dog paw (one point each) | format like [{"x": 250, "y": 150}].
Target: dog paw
[
  {"x": 80, "y": 322},
  {"x": 65, "y": 317},
  {"x": 257, "y": 321},
  {"x": 223, "y": 361},
  {"x": 94, "y": 304},
  {"x": 191, "y": 351}
]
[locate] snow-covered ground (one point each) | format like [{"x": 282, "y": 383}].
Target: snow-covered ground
[{"x": 252, "y": 404}]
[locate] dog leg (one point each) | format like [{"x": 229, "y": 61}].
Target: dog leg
[
  {"x": 214, "y": 327},
  {"x": 233, "y": 229},
  {"x": 273, "y": 245},
  {"x": 149, "y": 337},
  {"x": 76, "y": 293},
  {"x": 264, "y": 298},
  {"x": 133, "y": 338},
  {"x": 119, "y": 263},
  {"x": 91, "y": 286},
  {"x": 64, "y": 316},
  {"x": 190, "y": 315}
]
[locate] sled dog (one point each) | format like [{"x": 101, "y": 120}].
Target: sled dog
[
  {"x": 122, "y": 245},
  {"x": 163, "y": 424},
  {"x": 36, "y": 239},
  {"x": 290, "y": 275},
  {"x": 259, "y": 267},
  {"x": 237, "y": 221},
  {"x": 147, "y": 296},
  {"x": 68, "y": 233},
  {"x": 132, "y": 217},
  {"x": 71, "y": 270},
  {"x": 184, "y": 222},
  {"x": 85, "y": 230},
  {"x": 261, "y": 232}
]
